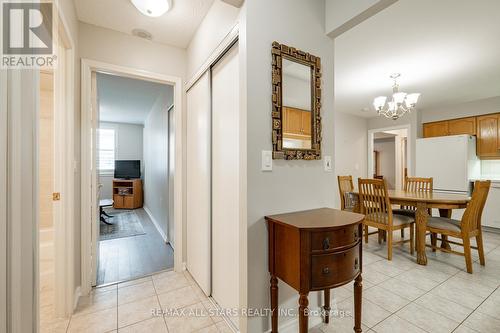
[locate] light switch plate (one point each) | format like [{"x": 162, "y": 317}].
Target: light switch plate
[
  {"x": 267, "y": 160},
  {"x": 328, "y": 163}
]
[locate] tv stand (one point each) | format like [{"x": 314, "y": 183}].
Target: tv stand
[{"x": 127, "y": 193}]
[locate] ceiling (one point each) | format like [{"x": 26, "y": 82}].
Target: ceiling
[
  {"x": 175, "y": 28},
  {"x": 126, "y": 100},
  {"x": 447, "y": 50}
]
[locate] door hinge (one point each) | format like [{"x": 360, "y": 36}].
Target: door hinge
[{"x": 56, "y": 196}]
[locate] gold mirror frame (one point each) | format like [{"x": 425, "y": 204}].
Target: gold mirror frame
[{"x": 280, "y": 51}]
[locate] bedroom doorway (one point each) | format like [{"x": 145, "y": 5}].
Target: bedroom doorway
[
  {"x": 135, "y": 225},
  {"x": 129, "y": 118}
]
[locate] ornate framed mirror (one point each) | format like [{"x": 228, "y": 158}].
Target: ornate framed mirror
[{"x": 296, "y": 84}]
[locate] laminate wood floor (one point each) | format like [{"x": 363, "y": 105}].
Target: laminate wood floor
[{"x": 128, "y": 258}]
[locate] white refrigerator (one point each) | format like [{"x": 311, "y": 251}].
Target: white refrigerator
[{"x": 450, "y": 160}]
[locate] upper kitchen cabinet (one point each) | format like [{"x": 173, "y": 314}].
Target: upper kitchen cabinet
[
  {"x": 450, "y": 127},
  {"x": 462, "y": 126},
  {"x": 438, "y": 128},
  {"x": 488, "y": 136}
]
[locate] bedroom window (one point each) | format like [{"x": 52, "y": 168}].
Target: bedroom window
[{"x": 106, "y": 144}]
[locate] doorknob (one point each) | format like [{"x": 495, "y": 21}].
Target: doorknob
[{"x": 56, "y": 196}]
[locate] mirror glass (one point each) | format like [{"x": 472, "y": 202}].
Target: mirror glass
[{"x": 297, "y": 105}]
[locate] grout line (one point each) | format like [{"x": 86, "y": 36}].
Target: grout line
[{"x": 476, "y": 309}]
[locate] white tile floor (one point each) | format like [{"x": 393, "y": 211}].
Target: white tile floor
[
  {"x": 398, "y": 296},
  {"x": 401, "y": 296},
  {"x": 128, "y": 306}
]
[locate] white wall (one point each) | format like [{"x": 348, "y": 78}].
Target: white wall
[
  {"x": 351, "y": 144},
  {"x": 341, "y": 15},
  {"x": 156, "y": 175},
  {"x": 472, "y": 108},
  {"x": 215, "y": 26},
  {"x": 387, "y": 155},
  {"x": 117, "y": 48},
  {"x": 292, "y": 185},
  {"x": 128, "y": 146}
]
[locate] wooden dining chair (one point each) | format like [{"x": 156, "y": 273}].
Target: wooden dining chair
[
  {"x": 468, "y": 227},
  {"x": 376, "y": 206},
  {"x": 346, "y": 187},
  {"x": 414, "y": 184}
]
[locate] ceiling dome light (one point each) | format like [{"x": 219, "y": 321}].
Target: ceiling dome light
[{"x": 153, "y": 8}]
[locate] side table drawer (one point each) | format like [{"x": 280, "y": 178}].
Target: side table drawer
[
  {"x": 334, "y": 268},
  {"x": 324, "y": 241}
]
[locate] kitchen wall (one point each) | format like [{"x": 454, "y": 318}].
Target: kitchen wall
[
  {"x": 387, "y": 154},
  {"x": 292, "y": 185},
  {"x": 156, "y": 175},
  {"x": 128, "y": 146}
]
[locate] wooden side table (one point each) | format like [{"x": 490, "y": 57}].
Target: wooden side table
[{"x": 315, "y": 250}]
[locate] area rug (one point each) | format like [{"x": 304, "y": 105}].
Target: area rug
[{"x": 125, "y": 223}]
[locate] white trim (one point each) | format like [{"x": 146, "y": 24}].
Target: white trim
[
  {"x": 157, "y": 226},
  {"x": 409, "y": 159},
  {"x": 3, "y": 200},
  {"x": 89, "y": 66},
  {"x": 64, "y": 133},
  {"x": 223, "y": 46}
]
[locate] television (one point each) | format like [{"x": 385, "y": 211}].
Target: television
[{"x": 129, "y": 169}]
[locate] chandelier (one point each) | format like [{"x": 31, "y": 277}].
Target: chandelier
[{"x": 400, "y": 103}]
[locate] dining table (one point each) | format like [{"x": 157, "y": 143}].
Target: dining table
[{"x": 423, "y": 201}]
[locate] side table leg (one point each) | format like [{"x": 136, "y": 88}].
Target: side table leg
[
  {"x": 326, "y": 307},
  {"x": 358, "y": 288},
  {"x": 303, "y": 313},
  {"x": 274, "y": 304}
]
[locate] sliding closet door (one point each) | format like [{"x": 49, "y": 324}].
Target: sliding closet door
[
  {"x": 225, "y": 181},
  {"x": 198, "y": 182}
]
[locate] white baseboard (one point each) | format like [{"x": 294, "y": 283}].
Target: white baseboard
[
  {"x": 76, "y": 297},
  {"x": 157, "y": 225}
]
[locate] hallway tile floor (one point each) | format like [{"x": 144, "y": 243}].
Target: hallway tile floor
[{"x": 129, "y": 307}]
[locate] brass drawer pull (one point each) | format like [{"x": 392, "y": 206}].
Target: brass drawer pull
[
  {"x": 326, "y": 243},
  {"x": 356, "y": 264},
  {"x": 326, "y": 270}
]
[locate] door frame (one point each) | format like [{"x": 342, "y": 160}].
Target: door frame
[
  {"x": 64, "y": 181},
  {"x": 87, "y": 67},
  {"x": 371, "y": 133}
]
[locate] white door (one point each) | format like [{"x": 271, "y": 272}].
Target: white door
[
  {"x": 225, "y": 181},
  {"x": 198, "y": 177}
]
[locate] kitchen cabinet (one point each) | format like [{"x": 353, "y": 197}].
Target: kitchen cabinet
[
  {"x": 488, "y": 133},
  {"x": 438, "y": 128},
  {"x": 462, "y": 126},
  {"x": 296, "y": 122},
  {"x": 450, "y": 127}
]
